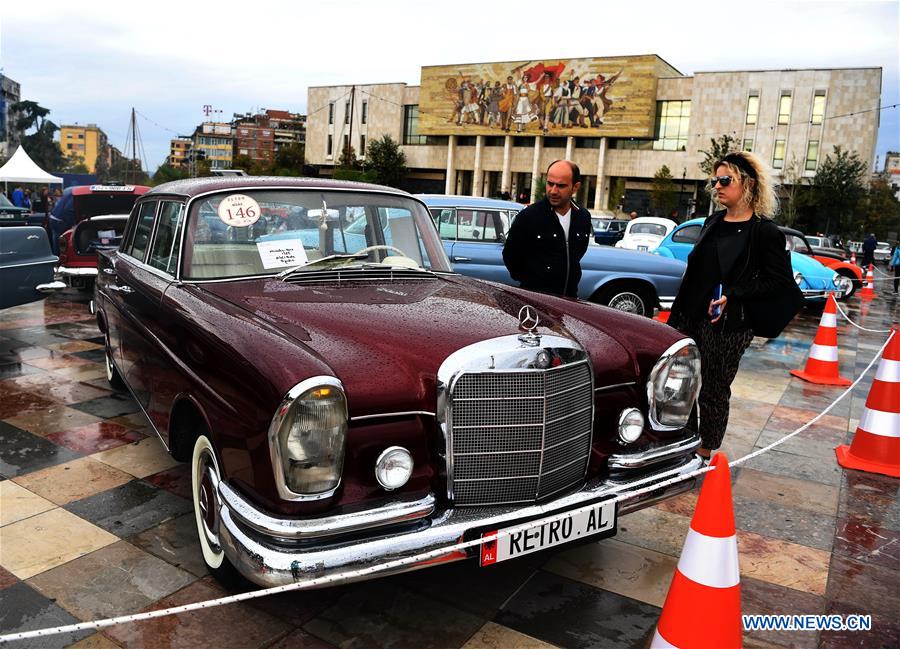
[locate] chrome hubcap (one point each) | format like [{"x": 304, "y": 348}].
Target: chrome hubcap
[
  {"x": 208, "y": 501},
  {"x": 628, "y": 302}
]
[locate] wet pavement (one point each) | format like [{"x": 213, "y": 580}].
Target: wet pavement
[{"x": 95, "y": 521}]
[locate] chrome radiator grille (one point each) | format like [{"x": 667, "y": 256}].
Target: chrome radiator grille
[{"x": 519, "y": 436}]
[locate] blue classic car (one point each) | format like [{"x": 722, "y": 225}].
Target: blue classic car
[
  {"x": 814, "y": 279},
  {"x": 473, "y": 232},
  {"x": 26, "y": 266}
]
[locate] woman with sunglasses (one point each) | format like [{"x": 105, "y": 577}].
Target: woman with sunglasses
[{"x": 739, "y": 255}]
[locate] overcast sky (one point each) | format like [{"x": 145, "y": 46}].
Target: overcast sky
[{"x": 91, "y": 61}]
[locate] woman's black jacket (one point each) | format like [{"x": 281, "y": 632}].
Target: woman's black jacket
[
  {"x": 536, "y": 254},
  {"x": 751, "y": 274}
]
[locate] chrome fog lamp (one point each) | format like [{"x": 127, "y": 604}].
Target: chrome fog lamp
[
  {"x": 798, "y": 278},
  {"x": 393, "y": 467},
  {"x": 631, "y": 425},
  {"x": 307, "y": 439},
  {"x": 674, "y": 385}
]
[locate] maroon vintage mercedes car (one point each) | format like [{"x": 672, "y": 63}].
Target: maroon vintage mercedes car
[{"x": 345, "y": 399}]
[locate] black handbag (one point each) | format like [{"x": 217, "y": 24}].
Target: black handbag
[{"x": 769, "y": 315}]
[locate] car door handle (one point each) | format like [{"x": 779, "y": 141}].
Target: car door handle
[
  {"x": 121, "y": 289},
  {"x": 461, "y": 259},
  {"x": 109, "y": 271}
]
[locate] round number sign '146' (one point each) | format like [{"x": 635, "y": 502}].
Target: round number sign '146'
[{"x": 239, "y": 210}]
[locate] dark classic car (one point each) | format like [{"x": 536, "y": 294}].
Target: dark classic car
[
  {"x": 10, "y": 215},
  {"x": 473, "y": 231},
  {"x": 608, "y": 232},
  {"x": 26, "y": 266},
  {"x": 345, "y": 399}
]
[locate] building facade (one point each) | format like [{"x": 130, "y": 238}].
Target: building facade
[
  {"x": 178, "y": 152},
  {"x": 216, "y": 141},
  {"x": 10, "y": 136},
  {"x": 620, "y": 119},
  {"x": 85, "y": 142}
]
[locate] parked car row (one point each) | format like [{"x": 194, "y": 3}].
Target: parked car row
[
  {"x": 473, "y": 232},
  {"x": 814, "y": 279}
]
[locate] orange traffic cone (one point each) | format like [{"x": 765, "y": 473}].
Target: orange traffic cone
[
  {"x": 822, "y": 364},
  {"x": 868, "y": 290},
  {"x": 876, "y": 443},
  {"x": 853, "y": 258},
  {"x": 703, "y": 607}
]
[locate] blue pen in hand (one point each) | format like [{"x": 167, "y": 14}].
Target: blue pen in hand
[{"x": 717, "y": 309}]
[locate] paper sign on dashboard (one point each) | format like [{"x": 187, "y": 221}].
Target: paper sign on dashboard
[{"x": 281, "y": 254}]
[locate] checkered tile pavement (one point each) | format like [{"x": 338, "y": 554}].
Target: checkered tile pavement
[{"x": 95, "y": 521}]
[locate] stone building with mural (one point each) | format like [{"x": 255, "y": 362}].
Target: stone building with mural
[{"x": 484, "y": 129}]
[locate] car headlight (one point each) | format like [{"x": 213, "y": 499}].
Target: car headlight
[
  {"x": 674, "y": 385},
  {"x": 843, "y": 284},
  {"x": 798, "y": 278},
  {"x": 307, "y": 438}
]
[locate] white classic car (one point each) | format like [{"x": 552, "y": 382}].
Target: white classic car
[{"x": 645, "y": 233}]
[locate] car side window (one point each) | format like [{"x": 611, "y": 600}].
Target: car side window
[
  {"x": 445, "y": 217},
  {"x": 140, "y": 236},
  {"x": 167, "y": 241},
  {"x": 478, "y": 225},
  {"x": 688, "y": 234}
]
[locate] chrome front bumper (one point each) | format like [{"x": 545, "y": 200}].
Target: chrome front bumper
[
  {"x": 275, "y": 552},
  {"x": 77, "y": 271}
]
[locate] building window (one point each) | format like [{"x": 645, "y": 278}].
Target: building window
[
  {"x": 466, "y": 140},
  {"x": 523, "y": 142},
  {"x": 784, "y": 108},
  {"x": 580, "y": 142},
  {"x": 495, "y": 140},
  {"x": 672, "y": 123},
  {"x": 346, "y": 112},
  {"x": 411, "y": 125},
  {"x": 818, "y": 109},
  {"x": 560, "y": 142},
  {"x": 329, "y": 150},
  {"x": 331, "y": 113},
  {"x": 778, "y": 158},
  {"x": 81, "y": 136},
  {"x": 812, "y": 154},
  {"x": 346, "y": 144},
  {"x": 753, "y": 107},
  {"x": 748, "y": 145},
  {"x": 364, "y": 113},
  {"x": 362, "y": 146},
  {"x": 69, "y": 145},
  {"x": 68, "y": 136}
]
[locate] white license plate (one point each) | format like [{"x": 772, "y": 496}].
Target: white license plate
[
  {"x": 643, "y": 248},
  {"x": 599, "y": 518}
]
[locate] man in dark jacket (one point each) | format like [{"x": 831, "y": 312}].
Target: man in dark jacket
[
  {"x": 868, "y": 248},
  {"x": 547, "y": 240}
]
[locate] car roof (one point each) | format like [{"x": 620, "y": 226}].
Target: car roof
[
  {"x": 453, "y": 200},
  {"x": 654, "y": 219},
  {"x": 197, "y": 186}
]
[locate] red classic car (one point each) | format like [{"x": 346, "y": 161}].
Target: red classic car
[
  {"x": 89, "y": 218},
  {"x": 344, "y": 398}
]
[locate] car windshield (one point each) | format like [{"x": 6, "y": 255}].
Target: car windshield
[
  {"x": 649, "y": 228},
  {"x": 266, "y": 232},
  {"x": 795, "y": 243}
]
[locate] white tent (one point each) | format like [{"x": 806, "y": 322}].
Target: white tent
[{"x": 22, "y": 169}]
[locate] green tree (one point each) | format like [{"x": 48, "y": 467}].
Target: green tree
[
  {"x": 663, "y": 195},
  {"x": 74, "y": 164},
  {"x": 838, "y": 187},
  {"x": 166, "y": 173},
  {"x": 791, "y": 189},
  {"x": 386, "y": 162},
  {"x": 289, "y": 160},
  {"x": 127, "y": 170},
  {"x": 101, "y": 166},
  {"x": 616, "y": 194},
  {"x": 878, "y": 212},
  {"x": 348, "y": 159},
  {"x": 718, "y": 149},
  {"x": 39, "y": 145}
]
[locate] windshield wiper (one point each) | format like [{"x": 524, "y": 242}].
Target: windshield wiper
[{"x": 357, "y": 255}]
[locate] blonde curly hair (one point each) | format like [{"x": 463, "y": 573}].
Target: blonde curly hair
[{"x": 756, "y": 179}]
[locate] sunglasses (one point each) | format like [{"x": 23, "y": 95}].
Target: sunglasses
[{"x": 722, "y": 180}]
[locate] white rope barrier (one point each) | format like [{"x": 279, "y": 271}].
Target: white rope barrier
[
  {"x": 433, "y": 554},
  {"x": 874, "y": 331}
]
